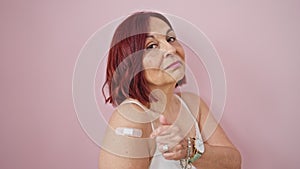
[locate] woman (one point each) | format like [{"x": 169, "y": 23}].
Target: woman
[{"x": 152, "y": 126}]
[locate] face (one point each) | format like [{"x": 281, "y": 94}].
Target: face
[{"x": 163, "y": 58}]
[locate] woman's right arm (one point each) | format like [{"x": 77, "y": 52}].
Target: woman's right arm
[
  {"x": 111, "y": 161},
  {"x": 126, "y": 146}
]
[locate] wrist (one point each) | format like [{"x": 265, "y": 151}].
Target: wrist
[{"x": 198, "y": 150}]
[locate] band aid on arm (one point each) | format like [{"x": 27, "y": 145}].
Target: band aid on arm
[{"x": 123, "y": 131}]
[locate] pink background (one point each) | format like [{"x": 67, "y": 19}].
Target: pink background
[{"x": 258, "y": 42}]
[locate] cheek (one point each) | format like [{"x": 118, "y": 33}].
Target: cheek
[
  {"x": 180, "y": 50},
  {"x": 148, "y": 63},
  {"x": 153, "y": 75},
  {"x": 152, "y": 60}
]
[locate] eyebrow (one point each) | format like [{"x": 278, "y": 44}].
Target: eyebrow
[{"x": 151, "y": 36}]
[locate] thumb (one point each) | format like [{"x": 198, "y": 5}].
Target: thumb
[{"x": 163, "y": 120}]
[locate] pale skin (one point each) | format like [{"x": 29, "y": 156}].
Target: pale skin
[{"x": 164, "y": 50}]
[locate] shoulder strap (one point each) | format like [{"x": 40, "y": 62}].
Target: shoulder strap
[
  {"x": 198, "y": 134},
  {"x": 133, "y": 101}
]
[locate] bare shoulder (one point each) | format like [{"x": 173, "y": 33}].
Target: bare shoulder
[
  {"x": 132, "y": 116},
  {"x": 126, "y": 152}
]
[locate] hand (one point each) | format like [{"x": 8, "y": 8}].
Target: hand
[{"x": 169, "y": 135}]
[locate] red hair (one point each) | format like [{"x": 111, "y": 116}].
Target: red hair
[{"x": 124, "y": 73}]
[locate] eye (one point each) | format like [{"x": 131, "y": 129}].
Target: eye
[
  {"x": 152, "y": 46},
  {"x": 171, "y": 39}
]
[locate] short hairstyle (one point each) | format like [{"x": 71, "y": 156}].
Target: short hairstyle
[{"x": 127, "y": 80}]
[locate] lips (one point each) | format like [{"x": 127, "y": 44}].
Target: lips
[{"x": 174, "y": 65}]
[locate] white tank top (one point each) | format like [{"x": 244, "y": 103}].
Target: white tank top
[{"x": 158, "y": 161}]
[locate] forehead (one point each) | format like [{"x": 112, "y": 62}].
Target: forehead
[{"x": 158, "y": 26}]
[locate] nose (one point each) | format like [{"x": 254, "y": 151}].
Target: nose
[{"x": 167, "y": 48}]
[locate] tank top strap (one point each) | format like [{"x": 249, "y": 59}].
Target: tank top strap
[
  {"x": 133, "y": 101},
  {"x": 198, "y": 134}
]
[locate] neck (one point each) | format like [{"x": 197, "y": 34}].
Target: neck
[{"x": 165, "y": 100}]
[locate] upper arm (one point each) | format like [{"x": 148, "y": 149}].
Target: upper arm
[
  {"x": 123, "y": 151},
  {"x": 211, "y": 131},
  {"x": 210, "y": 128}
]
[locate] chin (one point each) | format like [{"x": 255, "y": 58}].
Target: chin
[
  {"x": 178, "y": 75},
  {"x": 179, "y": 78}
]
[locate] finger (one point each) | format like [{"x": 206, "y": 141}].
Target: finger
[
  {"x": 177, "y": 152},
  {"x": 169, "y": 155},
  {"x": 163, "y": 120},
  {"x": 174, "y": 137},
  {"x": 174, "y": 155},
  {"x": 162, "y": 148},
  {"x": 171, "y": 140},
  {"x": 159, "y": 131},
  {"x": 168, "y": 130},
  {"x": 178, "y": 148},
  {"x": 175, "y": 148},
  {"x": 184, "y": 143}
]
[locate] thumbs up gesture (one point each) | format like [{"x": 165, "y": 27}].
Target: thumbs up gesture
[{"x": 169, "y": 140}]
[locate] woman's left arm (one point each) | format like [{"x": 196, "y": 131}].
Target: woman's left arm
[
  {"x": 219, "y": 151},
  {"x": 219, "y": 157}
]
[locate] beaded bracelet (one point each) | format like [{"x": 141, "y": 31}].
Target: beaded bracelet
[
  {"x": 197, "y": 153},
  {"x": 189, "y": 148},
  {"x": 195, "y": 157},
  {"x": 184, "y": 163}
]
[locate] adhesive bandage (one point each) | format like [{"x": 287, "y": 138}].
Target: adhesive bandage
[{"x": 123, "y": 131}]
